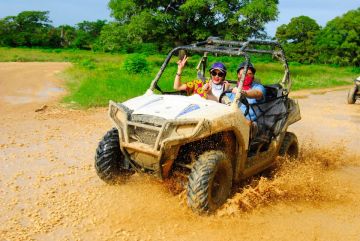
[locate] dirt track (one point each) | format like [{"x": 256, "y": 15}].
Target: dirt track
[{"x": 49, "y": 189}]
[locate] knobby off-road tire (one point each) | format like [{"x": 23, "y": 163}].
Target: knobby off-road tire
[
  {"x": 109, "y": 160},
  {"x": 290, "y": 146},
  {"x": 351, "y": 95},
  {"x": 210, "y": 182}
]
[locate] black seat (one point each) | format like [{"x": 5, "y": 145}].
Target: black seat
[
  {"x": 271, "y": 115},
  {"x": 273, "y": 92}
]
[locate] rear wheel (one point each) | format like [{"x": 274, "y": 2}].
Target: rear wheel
[
  {"x": 351, "y": 95},
  {"x": 210, "y": 182},
  {"x": 290, "y": 146},
  {"x": 109, "y": 161}
]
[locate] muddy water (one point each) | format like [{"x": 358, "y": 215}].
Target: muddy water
[
  {"x": 327, "y": 118},
  {"x": 49, "y": 189}
]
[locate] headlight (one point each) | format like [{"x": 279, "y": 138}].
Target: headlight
[
  {"x": 185, "y": 130},
  {"x": 118, "y": 113}
]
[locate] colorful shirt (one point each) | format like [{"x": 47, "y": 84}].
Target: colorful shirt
[{"x": 195, "y": 87}]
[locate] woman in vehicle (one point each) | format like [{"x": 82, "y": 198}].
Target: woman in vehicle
[{"x": 210, "y": 90}]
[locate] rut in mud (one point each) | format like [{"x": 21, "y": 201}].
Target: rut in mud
[{"x": 49, "y": 189}]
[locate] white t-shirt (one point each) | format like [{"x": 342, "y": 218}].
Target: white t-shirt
[{"x": 217, "y": 89}]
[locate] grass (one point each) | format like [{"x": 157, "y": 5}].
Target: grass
[
  {"x": 95, "y": 78},
  {"x": 53, "y": 55}
]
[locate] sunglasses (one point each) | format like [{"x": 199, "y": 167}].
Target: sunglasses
[{"x": 220, "y": 74}]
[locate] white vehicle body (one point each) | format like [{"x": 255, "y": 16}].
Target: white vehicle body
[{"x": 211, "y": 143}]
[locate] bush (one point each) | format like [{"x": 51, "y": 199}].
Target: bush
[
  {"x": 87, "y": 63},
  {"x": 146, "y": 48},
  {"x": 295, "y": 64},
  {"x": 136, "y": 63}
]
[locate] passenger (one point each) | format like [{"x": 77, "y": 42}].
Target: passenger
[
  {"x": 212, "y": 89},
  {"x": 252, "y": 90}
]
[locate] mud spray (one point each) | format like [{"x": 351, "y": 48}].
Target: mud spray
[
  {"x": 84, "y": 208},
  {"x": 49, "y": 189},
  {"x": 308, "y": 179}
]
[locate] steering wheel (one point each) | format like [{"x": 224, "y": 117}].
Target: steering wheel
[{"x": 224, "y": 99}]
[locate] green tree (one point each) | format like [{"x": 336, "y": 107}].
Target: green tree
[
  {"x": 339, "y": 41},
  {"x": 87, "y": 34},
  {"x": 8, "y": 31},
  {"x": 32, "y": 28},
  {"x": 181, "y": 21},
  {"x": 67, "y": 35},
  {"x": 53, "y": 38},
  {"x": 28, "y": 28},
  {"x": 298, "y": 39},
  {"x": 112, "y": 38}
]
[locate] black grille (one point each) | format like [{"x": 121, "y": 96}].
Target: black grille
[{"x": 143, "y": 135}]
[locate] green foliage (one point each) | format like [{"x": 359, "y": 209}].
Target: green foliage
[
  {"x": 109, "y": 81},
  {"x": 95, "y": 78},
  {"x": 67, "y": 35},
  {"x": 188, "y": 21},
  {"x": 33, "y": 29},
  {"x": 87, "y": 63},
  {"x": 56, "y": 55},
  {"x": 136, "y": 63},
  {"x": 28, "y": 28},
  {"x": 146, "y": 48},
  {"x": 298, "y": 39},
  {"x": 249, "y": 18},
  {"x": 339, "y": 41},
  {"x": 149, "y": 27},
  {"x": 300, "y": 29},
  {"x": 87, "y": 34},
  {"x": 112, "y": 38}
]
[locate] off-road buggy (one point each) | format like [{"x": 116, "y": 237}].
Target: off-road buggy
[
  {"x": 209, "y": 143},
  {"x": 354, "y": 92}
]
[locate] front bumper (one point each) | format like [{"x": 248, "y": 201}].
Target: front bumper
[{"x": 149, "y": 140}]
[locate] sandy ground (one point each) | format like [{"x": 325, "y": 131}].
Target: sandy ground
[{"x": 50, "y": 191}]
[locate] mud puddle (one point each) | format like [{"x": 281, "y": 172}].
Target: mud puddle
[
  {"x": 73, "y": 203},
  {"x": 49, "y": 189}
]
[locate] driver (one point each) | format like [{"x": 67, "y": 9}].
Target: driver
[
  {"x": 252, "y": 90},
  {"x": 212, "y": 89}
]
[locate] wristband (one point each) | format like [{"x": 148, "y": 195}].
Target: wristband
[{"x": 178, "y": 74}]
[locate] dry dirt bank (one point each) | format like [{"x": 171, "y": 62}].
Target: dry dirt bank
[{"x": 49, "y": 189}]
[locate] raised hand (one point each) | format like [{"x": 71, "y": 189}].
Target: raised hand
[
  {"x": 181, "y": 63},
  {"x": 207, "y": 88}
]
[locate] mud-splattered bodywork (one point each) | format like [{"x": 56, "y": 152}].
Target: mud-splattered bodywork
[
  {"x": 152, "y": 128},
  {"x": 158, "y": 132}
]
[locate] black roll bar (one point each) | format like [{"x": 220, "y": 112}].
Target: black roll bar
[{"x": 231, "y": 48}]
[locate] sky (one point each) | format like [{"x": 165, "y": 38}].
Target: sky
[
  {"x": 321, "y": 11},
  {"x": 72, "y": 12}
]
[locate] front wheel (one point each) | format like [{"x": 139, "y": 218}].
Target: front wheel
[
  {"x": 289, "y": 146},
  {"x": 109, "y": 160},
  {"x": 351, "y": 95},
  {"x": 210, "y": 182}
]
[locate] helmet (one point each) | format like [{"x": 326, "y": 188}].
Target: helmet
[
  {"x": 218, "y": 65},
  {"x": 242, "y": 65}
]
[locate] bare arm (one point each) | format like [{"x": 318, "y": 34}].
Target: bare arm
[
  {"x": 252, "y": 94},
  {"x": 177, "y": 82}
]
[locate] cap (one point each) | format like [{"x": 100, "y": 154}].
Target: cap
[
  {"x": 218, "y": 65},
  {"x": 242, "y": 65}
]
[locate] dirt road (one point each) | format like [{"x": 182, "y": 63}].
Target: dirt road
[{"x": 49, "y": 189}]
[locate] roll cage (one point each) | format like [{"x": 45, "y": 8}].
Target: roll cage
[{"x": 231, "y": 48}]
